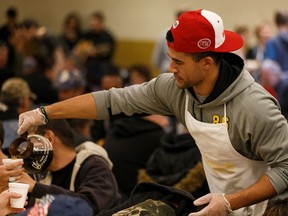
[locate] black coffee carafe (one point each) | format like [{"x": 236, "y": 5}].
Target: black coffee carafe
[{"x": 35, "y": 150}]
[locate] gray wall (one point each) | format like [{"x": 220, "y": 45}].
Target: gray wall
[{"x": 141, "y": 20}]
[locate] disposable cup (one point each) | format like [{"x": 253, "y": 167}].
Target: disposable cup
[
  {"x": 20, "y": 188},
  {"x": 11, "y": 160}
]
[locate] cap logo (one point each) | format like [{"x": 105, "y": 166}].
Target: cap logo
[
  {"x": 175, "y": 24},
  {"x": 204, "y": 43}
]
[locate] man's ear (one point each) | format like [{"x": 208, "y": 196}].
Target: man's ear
[
  {"x": 207, "y": 62},
  {"x": 49, "y": 134}
]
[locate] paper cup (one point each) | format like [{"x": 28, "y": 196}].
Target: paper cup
[
  {"x": 10, "y": 160},
  {"x": 20, "y": 188}
]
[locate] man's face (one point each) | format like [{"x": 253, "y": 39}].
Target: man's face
[{"x": 187, "y": 72}]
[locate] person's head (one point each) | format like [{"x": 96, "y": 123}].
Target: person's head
[
  {"x": 281, "y": 18},
  {"x": 70, "y": 83},
  {"x": 30, "y": 28},
  {"x": 72, "y": 21},
  {"x": 196, "y": 42},
  {"x": 57, "y": 131},
  {"x": 277, "y": 208},
  {"x": 139, "y": 73},
  {"x": 96, "y": 21},
  {"x": 16, "y": 93},
  {"x": 61, "y": 136},
  {"x": 263, "y": 31},
  {"x": 111, "y": 77},
  {"x": 270, "y": 73},
  {"x": 11, "y": 15}
]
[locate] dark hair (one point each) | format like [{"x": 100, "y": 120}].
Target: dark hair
[
  {"x": 99, "y": 15},
  {"x": 29, "y": 23},
  {"x": 141, "y": 69},
  {"x": 2, "y": 134},
  {"x": 73, "y": 15},
  {"x": 110, "y": 69},
  {"x": 277, "y": 207},
  {"x": 217, "y": 56},
  {"x": 61, "y": 128},
  {"x": 11, "y": 12},
  {"x": 281, "y": 18}
]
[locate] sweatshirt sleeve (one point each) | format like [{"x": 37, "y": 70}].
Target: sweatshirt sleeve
[{"x": 153, "y": 97}]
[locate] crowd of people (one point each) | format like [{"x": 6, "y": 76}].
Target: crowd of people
[{"x": 134, "y": 129}]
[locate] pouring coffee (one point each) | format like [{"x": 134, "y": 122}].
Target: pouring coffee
[{"x": 35, "y": 150}]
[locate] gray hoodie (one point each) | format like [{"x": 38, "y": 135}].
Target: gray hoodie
[{"x": 256, "y": 127}]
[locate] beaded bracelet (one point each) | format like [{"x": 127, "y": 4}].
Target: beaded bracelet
[{"x": 43, "y": 111}]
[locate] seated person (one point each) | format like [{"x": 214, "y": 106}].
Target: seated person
[
  {"x": 78, "y": 172},
  {"x": 16, "y": 98}
]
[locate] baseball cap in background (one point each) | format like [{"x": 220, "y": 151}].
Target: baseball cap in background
[
  {"x": 16, "y": 88},
  {"x": 202, "y": 31},
  {"x": 70, "y": 79}
]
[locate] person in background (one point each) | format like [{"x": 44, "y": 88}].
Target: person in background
[
  {"x": 255, "y": 53},
  {"x": 6, "y": 33},
  {"x": 7, "y": 29},
  {"x": 244, "y": 32},
  {"x": 131, "y": 141},
  {"x": 96, "y": 47},
  {"x": 270, "y": 76},
  {"x": 236, "y": 124},
  {"x": 83, "y": 172},
  {"x": 110, "y": 78},
  {"x": 6, "y": 71},
  {"x": 15, "y": 97},
  {"x": 72, "y": 31},
  {"x": 159, "y": 58},
  {"x": 277, "y": 47},
  {"x": 70, "y": 83},
  {"x": 263, "y": 33}
]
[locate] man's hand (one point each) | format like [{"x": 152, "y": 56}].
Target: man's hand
[
  {"x": 217, "y": 205},
  {"x": 29, "y": 121}
]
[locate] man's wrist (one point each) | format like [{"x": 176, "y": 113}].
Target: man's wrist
[
  {"x": 227, "y": 203},
  {"x": 43, "y": 111}
]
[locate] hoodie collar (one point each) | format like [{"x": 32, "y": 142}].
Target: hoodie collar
[{"x": 230, "y": 68}]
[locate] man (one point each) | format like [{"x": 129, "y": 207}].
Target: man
[
  {"x": 16, "y": 97},
  {"x": 277, "y": 48},
  {"x": 237, "y": 125},
  {"x": 84, "y": 172}
]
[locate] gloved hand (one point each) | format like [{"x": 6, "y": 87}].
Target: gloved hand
[
  {"x": 29, "y": 121},
  {"x": 217, "y": 205}
]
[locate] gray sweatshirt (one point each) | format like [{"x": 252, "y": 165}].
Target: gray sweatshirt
[{"x": 256, "y": 127}]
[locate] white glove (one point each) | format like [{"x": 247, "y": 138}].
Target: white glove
[
  {"x": 217, "y": 205},
  {"x": 29, "y": 121}
]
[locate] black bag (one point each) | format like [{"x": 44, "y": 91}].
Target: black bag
[{"x": 147, "y": 196}]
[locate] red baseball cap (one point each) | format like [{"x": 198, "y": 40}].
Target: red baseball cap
[{"x": 202, "y": 31}]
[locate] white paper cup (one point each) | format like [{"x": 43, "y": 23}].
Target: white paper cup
[
  {"x": 20, "y": 188},
  {"x": 10, "y": 160}
]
